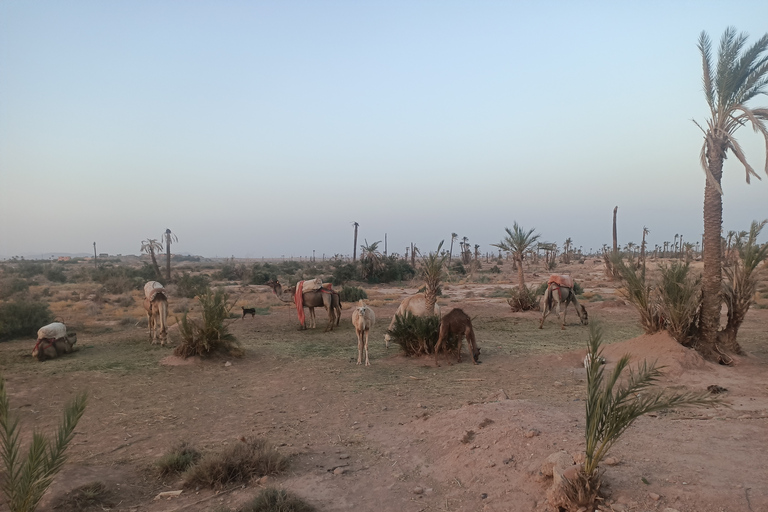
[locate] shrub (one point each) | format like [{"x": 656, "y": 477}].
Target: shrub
[
  {"x": 417, "y": 335},
  {"x": 494, "y": 270},
  {"x": 525, "y": 299},
  {"x": 344, "y": 272},
  {"x": 190, "y": 286},
  {"x": 91, "y": 496},
  {"x": 12, "y": 286},
  {"x": 240, "y": 462},
  {"x": 27, "y": 478},
  {"x": 393, "y": 269},
  {"x": 55, "y": 274},
  {"x": 30, "y": 268},
  {"x": 23, "y": 318},
  {"x": 458, "y": 268},
  {"x": 201, "y": 338},
  {"x": 262, "y": 274},
  {"x": 179, "y": 459},
  {"x": 277, "y": 500},
  {"x": 352, "y": 294}
]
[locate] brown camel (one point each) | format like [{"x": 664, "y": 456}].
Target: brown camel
[
  {"x": 457, "y": 323},
  {"x": 312, "y": 299}
]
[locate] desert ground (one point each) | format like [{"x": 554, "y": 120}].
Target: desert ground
[{"x": 400, "y": 435}]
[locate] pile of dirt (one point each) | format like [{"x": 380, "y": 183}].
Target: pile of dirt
[{"x": 660, "y": 348}]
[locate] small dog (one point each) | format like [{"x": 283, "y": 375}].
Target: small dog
[{"x": 249, "y": 311}]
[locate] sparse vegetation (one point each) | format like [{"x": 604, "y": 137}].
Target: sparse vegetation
[
  {"x": 239, "y": 462},
  {"x": 190, "y": 286},
  {"x": 91, "y": 496},
  {"x": 179, "y": 458},
  {"x": 417, "y": 335},
  {"x": 524, "y": 299},
  {"x": 277, "y": 500},
  {"x": 352, "y": 294}
]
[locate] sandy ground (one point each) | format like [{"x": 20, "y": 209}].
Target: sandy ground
[{"x": 406, "y": 436}]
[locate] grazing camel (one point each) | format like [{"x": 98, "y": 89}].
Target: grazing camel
[
  {"x": 457, "y": 323},
  {"x": 557, "y": 294},
  {"x": 53, "y": 340},
  {"x": 156, "y": 306},
  {"x": 327, "y": 299},
  {"x": 415, "y": 305},
  {"x": 363, "y": 320}
]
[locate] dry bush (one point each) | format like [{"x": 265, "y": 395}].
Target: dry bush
[
  {"x": 417, "y": 335},
  {"x": 277, "y": 500},
  {"x": 211, "y": 334},
  {"x": 525, "y": 299},
  {"x": 238, "y": 463},
  {"x": 91, "y": 496},
  {"x": 179, "y": 458}
]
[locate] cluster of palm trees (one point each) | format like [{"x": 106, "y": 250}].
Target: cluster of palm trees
[{"x": 153, "y": 246}]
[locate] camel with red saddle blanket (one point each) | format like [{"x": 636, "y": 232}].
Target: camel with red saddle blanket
[
  {"x": 560, "y": 291},
  {"x": 311, "y": 294}
]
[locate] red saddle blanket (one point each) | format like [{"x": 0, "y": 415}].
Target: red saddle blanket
[{"x": 560, "y": 280}]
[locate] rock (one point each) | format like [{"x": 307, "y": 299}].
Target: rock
[
  {"x": 227, "y": 364},
  {"x": 418, "y": 490},
  {"x": 532, "y": 433},
  {"x": 501, "y": 395},
  {"x": 168, "y": 494},
  {"x": 654, "y": 496},
  {"x": 611, "y": 461},
  {"x": 340, "y": 471},
  {"x": 579, "y": 457},
  {"x": 344, "y": 456},
  {"x": 561, "y": 460}
]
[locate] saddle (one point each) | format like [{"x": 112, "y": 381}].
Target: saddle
[{"x": 560, "y": 280}]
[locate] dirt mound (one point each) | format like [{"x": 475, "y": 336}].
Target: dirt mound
[{"x": 661, "y": 348}]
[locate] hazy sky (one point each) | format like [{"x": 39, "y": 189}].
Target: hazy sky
[{"x": 266, "y": 128}]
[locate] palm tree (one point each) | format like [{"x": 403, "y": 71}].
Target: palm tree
[
  {"x": 517, "y": 242},
  {"x": 741, "y": 75},
  {"x": 354, "y": 245},
  {"x": 642, "y": 246},
  {"x": 150, "y": 246},
  {"x": 370, "y": 259},
  {"x": 432, "y": 272},
  {"x": 454, "y": 236},
  {"x": 567, "y": 249},
  {"x": 169, "y": 237}
]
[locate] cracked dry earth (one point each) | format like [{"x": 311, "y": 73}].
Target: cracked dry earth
[{"x": 400, "y": 435}]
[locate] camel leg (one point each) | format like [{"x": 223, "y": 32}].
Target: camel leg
[
  {"x": 458, "y": 350},
  {"x": 359, "y": 346},
  {"x": 365, "y": 346}
]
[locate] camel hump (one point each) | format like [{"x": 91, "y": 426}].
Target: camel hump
[
  {"x": 152, "y": 288},
  {"x": 560, "y": 280},
  {"x": 311, "y": 285},
  {"x": 54, "y": 331}
]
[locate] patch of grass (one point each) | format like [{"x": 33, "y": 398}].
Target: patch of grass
[
  {"x": 91, "y": 496},
  {"x": 238, "y": 463},
  {"x": 277, "y": 500},
  {"x": 179, "y": 458}
]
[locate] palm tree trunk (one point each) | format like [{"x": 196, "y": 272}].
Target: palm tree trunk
[
  {"x": 615, "y": 239},
  {"x": 154, "y": 263},
  {"x": 168, "y": 257},
  {"x": 354, "y": 246},
  {"x": 520, "y": 275},
  {"x": 712, "y": 256}
]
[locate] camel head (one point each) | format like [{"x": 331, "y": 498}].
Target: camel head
[
  {"x": 277, "y": 288},
  {"x": 584, "y": 317}
]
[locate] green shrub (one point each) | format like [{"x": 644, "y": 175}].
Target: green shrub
[
  {"x": 190, "y": 286},
  {"x": 55, "y": 274},
  {"x": 277, "y": 500},
  {"x": 458, "y": 268},
  {"x": 23, "y": 318},
  {"x": 393, "y": 269},
  {"x": 12, "y": 286},
  {"x": 352, "y": 294},
  {"x": 494, "y": 270},
  {"x": 262, "y": 274},
  {"x": 417, "y": 335},
  {"x": 30, "y": 268},
  {"x": 179, "y": 459},
  {"x": 238, "y": 462},
  {"x": 211, "y": 334},
  {"x": 525, "y": 299},
  {"x": 344, "y": 272}
]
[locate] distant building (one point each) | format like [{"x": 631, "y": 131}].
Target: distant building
[
  {"x": 64, "y": 258},
  {"x": 103, "y": 255}
]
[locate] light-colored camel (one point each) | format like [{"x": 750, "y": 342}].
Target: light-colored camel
[
  {"x": 312, "y": 299},
  {"x": 53, "y": 340},
  {"x": 556, "y": 295},
  {"x": 363, "y": 319},
  {"x": 156, "y": 306},
  {"x": 415, "y": 305},
  {"x": 457, "y": 323}
]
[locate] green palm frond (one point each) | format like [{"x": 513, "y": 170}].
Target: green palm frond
[
  {"x": 612, "y": 406},
  {"x": 26, "y": 480}
]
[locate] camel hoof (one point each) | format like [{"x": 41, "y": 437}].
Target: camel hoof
[
  {"x": 541, "y": 327},
  {"x": 562, "y": 327}
]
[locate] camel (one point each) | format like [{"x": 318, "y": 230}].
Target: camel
[
  {"x": 328, "y": 299},
  {"x": 156, "y": 306},
  {"x": 363, "y": 319},
  {"x": 457, "y": 323},
  {"x": 53, "y": 340},
  {"x": 561, "y": 294},
  {"x": 415, "y": 305}
]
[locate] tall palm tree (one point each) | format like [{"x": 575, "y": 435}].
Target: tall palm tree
[
  {"x": 567, "y": 248},
  {"x": 642, "y": 246},
  {"x": 370, "y": 259},
  {"x": 517, "y": 242},
  {"x": 432, "y": 272},
  {"x": 169, "y": 237},
  {"x": 354, "y": 245},
  {"x": 454, "y": 236},
  {"x": 150, "y": 246},
  {"x": 740, "y": 75}
]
